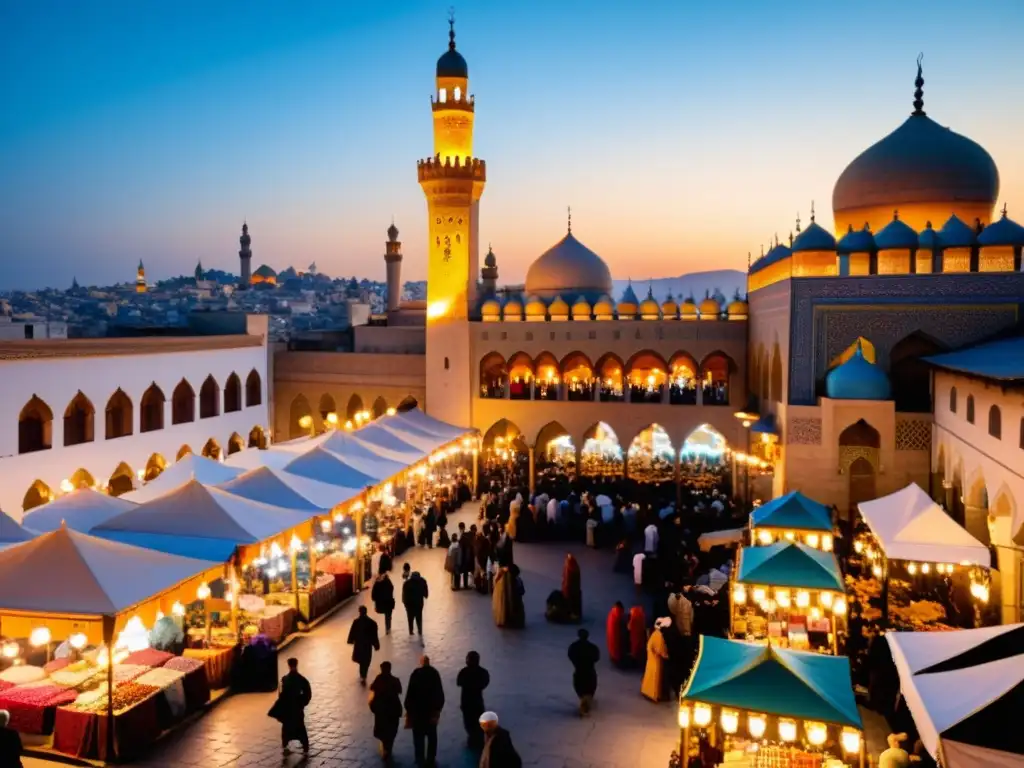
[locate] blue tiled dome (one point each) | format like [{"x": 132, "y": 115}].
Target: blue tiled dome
[
  {"x": 857, "y": 379},
  {"x": 929, "y": 238},
  {"x": 451, "y": 64},
  {"x": 1005, "y": 231},
  {"x": 857, "y": 241},
  {"x": 955, "y": 233},
  {"x": 814, "y": 238},
  {"x": 896, "y": 235}
]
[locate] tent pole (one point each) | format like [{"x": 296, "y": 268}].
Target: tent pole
[
  {"x": 108, "y": 640},
  {"x": 885, "y": 592}
]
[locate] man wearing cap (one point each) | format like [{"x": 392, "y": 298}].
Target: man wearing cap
[{"x": 498, "y": 750}]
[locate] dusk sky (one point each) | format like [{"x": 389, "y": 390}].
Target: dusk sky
[{"x": 682, "y": 134}]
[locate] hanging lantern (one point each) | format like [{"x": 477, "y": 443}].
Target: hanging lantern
[
  {"x": 816, "y": 733},
  {"x": 325, "y": 526},
  {"x": 40, "y": 636},
  {"x": 730, "y": 720},
  {"x": 876, "y": 571},
  {"x": 177, "y": 609},
  {"x": 739, "y": 595},
  {"x": 782, "y": 598},
  {"x": 760, "y": 595},
  {"x": 815, "y": 613},
  {"x": 756, "y": 724},
  {"x": 701, "y": 715},
  {"x": 790, "y": 536},
  {"x": 684, "y": 716},
  {"x": 803, "y": 598},
  {"x": 925, "y": 567},
  {"x": 10, "y": 650},
  {"x": 203, "y": 592},
  {"x": 826, "y": 542},
  {"x": 851, "y": 741},
  {"x": 858, "y": 546},
  {"x": 787, "y": 730},
  {"x": 911, "y": 568},
  {"x": 839, "y": 606},
  {"x": 825, "y": 598},
  {"x": 764, "y": 536}
]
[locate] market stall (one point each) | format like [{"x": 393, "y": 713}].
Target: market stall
[
  {"x": 362, "y": 457},
  {"x": 74, "y": 616},
  {"x": 731, "y": 537},
  {"x": 390, "y": 445},
  {"x": 418, "y": 418},
  {"x": 189, "y": 467},
  {"x": 912, "y": 549},
  {"x": 965, "y": 690},
  {"x": 767, "y": 706},
  {"x": 288, "y": 490},
  {"x": 11, "y": 532},
  {"x": 81, "y": 510},
  {"x": 790, "y": 595},
  {"x": 792, "y": 517}
]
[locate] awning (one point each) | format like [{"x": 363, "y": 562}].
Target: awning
[
  {"x": 440, "y": 428},
  {"x": 360, "y": 457},
  {"x": 12, "y": 532},
  {"x": 81, "y": 510},
  {"x": 794, "y": 511},
  {"x": 726, "y": 538},
  {"x": 789, "y": 564},
  {"x": 189, "y": 467},
  {"x": 326, "y": 467},
  {"x": 283, "y": 489},
  {"x": 910, "y": 526},
  {"x": 388, "y": 444},
  {"x": 774, "y": 681},
  {"x": 275, "y": 457},
  {"x": 413, "y": 435}
]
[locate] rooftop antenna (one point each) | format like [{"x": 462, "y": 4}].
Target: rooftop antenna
[{"x": 919, "y": 89}]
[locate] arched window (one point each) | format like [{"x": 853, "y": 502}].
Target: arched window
[
  {"x": 447, "y": 364},
  {"x": 38, "y": 493},
  {"x": 212, "y": 449},
  {"x": 257, "y": 438},
  {"x": 578, "y": 377},
  {"x": 520, "y": 376},
  {"x": 548, "y": 377},
  {"x": 209, "y": 399},
  {"x": 119, "y": 415},
  {"x": 151, "y": 409},
  {"x": 154, "y": 466},
  {"x": 610, "y": 378},
  {"x": 995, "y": 422},
  {"x": 952, "y": 399},
  {"x": 408, "y": 403},
  {"x": 35, "y": 426},
  {"x": 233, "y": 394},
  {"x": 355, "y": 405},
  {"x": 682, "y": 380},
  {"x": 79, "y": 418},
  {"x": 442, "y": 95},
  {"x": 183, "y": 403},
  {"x": 715, "y": 372},
  {"x": 646, "y": 375},
  {"x": 300, "y": 417},
  {"x": 380, "y": 407},
  {"x": 253, "y": 389},
  {"x": 122, "y": 480},
  {"x": 184, "y": 451},
  {"x": 970, "y": 409},
  {"x": 457, "y": 93}
]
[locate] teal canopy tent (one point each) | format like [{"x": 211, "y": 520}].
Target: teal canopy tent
[
  {"x": 789, "y": 564},
  {"x": 794, "y": 512},
  {"x": 773, "y": 681}
]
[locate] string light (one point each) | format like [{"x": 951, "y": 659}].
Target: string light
[
  {"x": 40, "y": 636},
  {"x": 787, "y": 730},
  {"x": 757, "y": 724},
  {"x": 912, "y": 568},
  {"x": 825, "y": 598},
  {"x": 684, "y": 717},
  {"x": 816, "y": 733},
  {"x": 739, "y": 595},
  {"x": 839, "y": 606},
  {"x": 203, "y": 592},
  {"x": 925, "y": 568},
  {"x": 826, "y": 543},
  {"x": 782, "y": 598},
  {"x": 803, "y": 599},
  {"x": 78, "y": 640},
  {"x": 701, "y": 715},
  {"x": 764, "y": 536},
  {"x": 730, "y": 720},
  {"x": 812, "y": 540}
]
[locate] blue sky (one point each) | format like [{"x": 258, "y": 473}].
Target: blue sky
[{"x": 682, "y": 134}]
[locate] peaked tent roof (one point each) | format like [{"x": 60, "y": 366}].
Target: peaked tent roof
[
  {"x": 196, "y": 519},
  {"x": 910, "y": 526},
  {"x": 378, "y": 439},
  {"x": 361, "y": 457},
  {"x": 799, "y": 684},
  {"x": 190, "y": 467},
  {"x": 793, "y": 511},
  {"x": 413, "y": 435},
  {"x": 789, "y": 564},
  {"x": 81, "y": 510},
  {"x": 12, "y": 532},
  {"x": 69, "y": 572},
  {"x": 283, "y": 489},
  {"x": 326, "y": 467},
  {"x": 438, "y": 427},
  {"x": 276, "y": 457}
]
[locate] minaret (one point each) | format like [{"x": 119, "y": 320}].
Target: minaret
[
  {"x": 393, "y": 262},
  {"x": 453, "y": 181},
  {"x": 245, "y": 256},
  {"x": 489, "y": 274},
  {"x": 199, "y": 271},
  {"x": 140, "y": 278}
]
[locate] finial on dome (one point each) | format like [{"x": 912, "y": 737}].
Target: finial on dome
[
  {"x": 568, "y": 209},
  {"x": 812, "y": 211},
  {"x": 762, "y": 250},
  {"x": 748, "y": 259},
  {"x": 791, "y": 239},
  {"x": 896, "y": 214},
  {"x": 451, "y": 28},
  {"x": 1004, "y": 210},
  {"x": 798, "y": 221},
  {"x": 650, "y": 289},
  {"x": 849, "y": 228},
  {"x": 927, "y": 224},
  {"x": 919, "y": 86}
]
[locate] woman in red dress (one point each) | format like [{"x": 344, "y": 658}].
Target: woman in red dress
[
  {"x": 637, "y": 627},
  {"x": 615, "y": 634}
]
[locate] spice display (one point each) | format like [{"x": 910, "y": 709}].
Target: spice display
[{"x": 183, "y": 664}]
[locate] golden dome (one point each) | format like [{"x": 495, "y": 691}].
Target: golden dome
[
  {"x": 535, "y": 309},
  {"x": 688, "y": 309},
  {"x": 581, "y": 309},
  {"x": 491, "y": 310},
  {"x": 669, "y": 308},
  {"x": 710, "y": 309},
  {"x": 604, "y": 308},
  {"x": 738, "y": 309},
  {"x": 513, "y": 310},
  {"x": 558, "y": 308}
]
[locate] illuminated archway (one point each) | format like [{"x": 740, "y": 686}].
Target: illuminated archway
[
  {"x": 257, "y": 438},
  {"x": 212, "y": 449},
  {"x": 380, "y": 407},
  {"x": 119, "y": 415},
  {"x": 704, "y": 444},
  {"x": 183, "y": 403},
  {"x": 493, "y": 376},
  {"x": 151, "y": 409},
  {"x": 548, "y": 377},
  {"x": 154, "y": 466},
  {"x": 235, "y": 443},
  {"x": 355, "y": 405},
  {"x": 651, "y": 457},
  {"x": 601, "y": 455},
  {"x": 209, "y": 398},
  {"x": 327, "y": 407},
  {"x": 35, "y": 426},
  {"x": 682, "y": 379},
  {"x": 38, "y": 493},
  {"x": 79, "y": 419},
  {"x": 647, "y": 374},
  {"x": 300, "y": 417},
  {"x": 503, "y": 441},
  {"x": 82, "y": 478},
  {"x": 185, "y": 450},
  {"x": 715, "y": 370},
  {"x": 520, "y": 376},
  {"x": 611, "y": 376},
  {"x": 122, "y": 480},
  {"x": 577, "y": 377},
  {"x": 554, "y": 446},
  {"x": 232, "y": 394}
]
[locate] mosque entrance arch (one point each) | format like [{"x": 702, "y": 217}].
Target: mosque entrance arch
[
  {"x": 555, "y": 448},
  {"x": 858, "y": 458},
  {"x": 601, "y": 454}
]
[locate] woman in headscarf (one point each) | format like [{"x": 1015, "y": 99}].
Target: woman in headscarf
[
  {"x": 653, "y": 685},
  {"x": 637, "y": 627},
  {"x": 615, "y": 634},
  {"x": 571, "y": 589},
  {"x": 501, "y": 598}
]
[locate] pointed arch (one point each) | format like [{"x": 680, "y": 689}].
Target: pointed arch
[
  {"x": 860, "y": 434},
  {"x": 970, "y": 409},
  {"x": 503, "y": 436},
  {"x": 35, "y": 426},
  {"x": 154, "y": 466},
  {"x": 380, "y": 407},
  {"x": 775, "y": 377},
  {"x": 611, "y": 374},
  {"x": 715, "y": 371},
  {"x": 122, "y": 480},
  {"x": 705, "y": 443},
  {"x": 577, "y": 376},
  {"x": 493, "y": 376},
  {"x": 647, "y": 376},
  {"x": 409, "y": 403},
  {"x": 355, "y": 405},
  {"x": 601, "y": 453},
  {"x": 952, "y": 399},
  {"x": 257, "y": 437},
  {"x": 183, "y": 403},
  {"x": 232, "y": 394},
  {"x": 185, "y": 450},
  {"x": 910, "y": 375},
  {"x": 327, "y": 406},
  {"x": 995, "y": 422},
  {"x": 555, "y": 446},
  {"x": 521, "y": 371},
  {"x": 547, "y": 377},
  {"x": 38, "y": 493},
  {"x": 235, "y": 443},
  {"x": 120, "y": 415},
  {"x": 1003, "y": 504},
  {"x": 82, "y": 478},
  {"x": 212, "y": 449},
  {"x": 651, "y": 457},
  {"x": 209, "y": 398},
  {"x": 79, "y": 420},
  {"x": 682, "y": 379},
  {"x": 253, "y": 389},
  {"x": 151, "y": 409},
  {"x": 298, "y": 415},
  {"x": 976, "y": 490}
]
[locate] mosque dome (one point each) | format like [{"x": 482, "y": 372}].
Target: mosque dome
[
  {"x": 451, "y": 63},
  {"x": 491, "y": 309},
  {"x": 857, "y": 379},
  {"x": 669, "y": 308},
  {"x": 896, "y": 235},
  {"x": 738, "y": 309},
  {"x": 393, "y": 232},
  {"x": 558, "y": 308},
  {"x": 604, "y": 307},
  {"x": 688, "y": 309},
  {"x": 710, "y": 308},
  {"x": 857, "y": 241},
  {"x": 814, "y": 238},
  {"x": 775, "y": 255},
  {"x": 649, "y": 307},
  {"x": 921, "y": 162},
  {"x": 955, "y": 233},
  {"x": 570, "y": 268},
  {"x": 628, "y": 304},
  {"x": 535, "y": 308},
  {"x": 929, "y": 238},
  {"x": 513, "y": 310},
  {"x": 581, "y": 309},
  {"x": 1004, "y": 231},
  {"x": 265, "y": 274},
  {"x": 490, "y": 260}
]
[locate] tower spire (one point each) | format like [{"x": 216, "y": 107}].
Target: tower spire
[
  {"x": 919, "y": 86},
  {"x": 451, "y": 28},
  {"x": 569, "y": 211},
  {"x": 812, "y": 211}
]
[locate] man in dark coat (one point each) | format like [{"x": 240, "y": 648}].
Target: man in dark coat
[
  {"x": 424, "y": 700},
  {"x": 386, "y": 706},
  {"x": 473, "y": 679},
  {"x": 584, "y": 656},
  {"x": 10, "y": 742},
  {"x": 364, "y": 641},
  {"x": 414, "y": 593},
  {"x": 292, "y": 699},
  {"x": 467, "y": 554},
  {"x": 383, "y": 596},
  {"x": 498, "y": 751}
]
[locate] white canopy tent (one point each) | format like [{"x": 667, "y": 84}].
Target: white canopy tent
[
  {"x": 190, "y": 467},
  {"x": 81, "y": 510},
  {"x": 413, "y": 434},
  {"x": 11, "y": 533},
  {"x": 274, "y": 457},
  {"x": 419, "y": 419},
  {"x": 326, "y": 467},
  {"x": 910, "y": 526},
  {"x": 965, "y": 690},
  {"x": 283, "y": 489},
  {"x": 360, "y": 456},
  {"x": 388, "y": 444}
]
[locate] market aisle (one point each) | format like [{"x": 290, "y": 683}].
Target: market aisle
[{"x": 530, "y": 682}]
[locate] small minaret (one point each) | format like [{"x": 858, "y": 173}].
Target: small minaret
[
  {"x": 199, "y": 271},
  {"x": 393, "y": 260},
  {"x": 489, "y": 274},
  {"x": 140, "y": 278},
  {"x": 245, "y": 256}
]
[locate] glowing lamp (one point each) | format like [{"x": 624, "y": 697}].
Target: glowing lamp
[
  {"x": 739, "y": 595},
  {"x": 160, "y": 614},
  {"x": 332, "y": 419},
  {"x": 876, "y": 571},
  {"x": 760, "y": 595},
  {"x": 764, "y": 536},
  {"x": 815, "y": 613},
  {"x": 295, "y": 545},
  {"x": 177, "y": 609},
  {"x": 203, "y": 592},
  {"x": 66, "y": 486},
  {"x": 78, "y": 641},
  {"x": 684, "y": 717},
  {"x": 826, "y": 543},
  {"x": 730, "y": 720},
  {"x": 825, "y": 598},
  {"x": 391, "y": 411},
  {"x": 339, "y": 517},
  {"x": 40, "y": 636},
  {"x": 816, "y": 733},
  {"x": 812, "y": 540},
  {"x": 858, "y": 547},
  {"x": 911, "y": 568},
  {"x": 271, "y": 573},
  {"x": 803, "y": 598},
  {"x": 350, "y": 546},
  {"x": 850, "y": 741},
  {"x": 325, "y": 526},
  {"x": 702, "y": 715},
  {"x": 306, "y": 421},
  {"x": 756, "y": 724},
  {"x": 787, "y": 730},
  {"x": 229, "y": 596},
  {"x": 782, "y": 598},
  {"x": 10, "y": 650},
  {"x": 925, "y": 567},
  {"x": 790, "y": 536},
  {"x": 348, "y": 424},
  {"x": 839, "y": 607},
  {"x": 140, "y": 474}
]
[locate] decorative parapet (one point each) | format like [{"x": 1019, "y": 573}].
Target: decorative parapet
[
  {"x": 432, "y": 168},
  {"x": 467, "y": 104}
]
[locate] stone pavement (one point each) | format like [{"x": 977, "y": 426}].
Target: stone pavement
[{"x": 531, "y": 682}]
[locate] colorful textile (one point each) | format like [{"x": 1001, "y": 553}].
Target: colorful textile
[{"x": 149, "y": 657}]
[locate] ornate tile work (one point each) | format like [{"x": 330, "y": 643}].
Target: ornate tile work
[
  {"x": 913, "y": 435},
  {"x": 850, "y": 453},
  {"x": 804, "y": 432}
]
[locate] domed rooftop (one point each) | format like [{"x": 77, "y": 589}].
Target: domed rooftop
[
  {"x": 265, "y": 271},
  {"x": 393, "y": 232},
  {"x": 669, "y": 308},
  {"x": 955, "y": 233},
  {"x": 857, "y": 241},
  {"x": 929, "y": 238},
  {"x": 490, "y": 260},
  {"x": 710, "y": 307},
  {"x": 491, "y": 308},
  {"x": 688, "y": 307},
  {"x": 604, "y": 306},
  {"x": 569, "y": 268},
  {"x": 919, "y": 162},
  {"x": 1005, "y": 231},
  {"x": 650, "y": 308},
  {"x": 451, "y": 63},
  {"x": 896, "y": 235},
  {"x": 814, "y": 238},
  {"x": 857, "y": 379},
  {"x": 778, "y": 253},
  {"x": 558, "y": 307}
]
